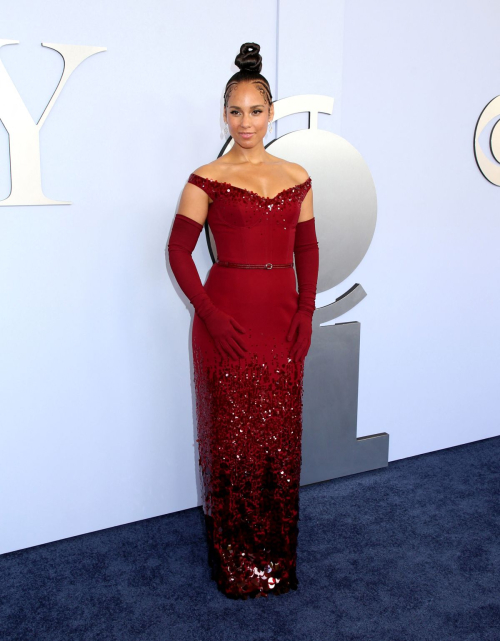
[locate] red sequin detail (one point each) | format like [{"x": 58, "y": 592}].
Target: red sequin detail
[
  {"x": 251, "y": 208},
  {"x": 249, "y": 435}
]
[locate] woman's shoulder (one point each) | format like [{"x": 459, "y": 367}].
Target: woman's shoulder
[
  {"x": 210, "y": 170},
  {"x": 297, "y": 173},
  {"x": 206, "y": 177}
]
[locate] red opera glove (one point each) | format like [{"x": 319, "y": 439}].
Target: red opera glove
[
  {"x": 306, "y": 252},
  {"x": 224, "y": 330},
  {"x": 226, "y": 333},
  {"x": 301, "y": 333}
]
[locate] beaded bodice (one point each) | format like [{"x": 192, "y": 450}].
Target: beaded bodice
[{"x": 248, "y": 227}]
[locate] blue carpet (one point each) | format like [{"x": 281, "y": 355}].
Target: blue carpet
[{"x": 406, "y": 553}]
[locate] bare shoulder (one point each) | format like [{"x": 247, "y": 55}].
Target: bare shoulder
[
  {"x": 195, "y": 198},
  {"x": 297, "y": 172},
  {"x": 300, "y": 176},
  {"x": 209, "y": 170}
]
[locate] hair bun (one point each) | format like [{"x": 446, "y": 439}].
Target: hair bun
[{"x": 249, "y": 58}]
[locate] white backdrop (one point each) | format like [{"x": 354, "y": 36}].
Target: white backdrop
[{"x": 96, "y": 396}]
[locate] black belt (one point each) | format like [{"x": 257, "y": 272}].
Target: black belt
[{"x": 225, "y": 263}]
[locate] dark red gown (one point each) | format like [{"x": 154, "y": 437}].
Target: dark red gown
[{"x": 249, "y": 411}]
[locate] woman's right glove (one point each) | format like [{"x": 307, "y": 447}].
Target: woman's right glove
[{"x": 224, "y": 330}]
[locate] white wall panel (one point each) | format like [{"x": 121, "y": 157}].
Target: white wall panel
[{"x": 96, "y": 397}]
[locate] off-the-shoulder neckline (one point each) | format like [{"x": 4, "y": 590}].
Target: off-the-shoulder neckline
[{"x": 249, "y": 191}]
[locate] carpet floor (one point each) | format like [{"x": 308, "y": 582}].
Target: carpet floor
[{"x": 410, "y": 552}]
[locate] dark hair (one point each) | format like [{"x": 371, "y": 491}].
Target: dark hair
[{"x": 249, "y": 62}]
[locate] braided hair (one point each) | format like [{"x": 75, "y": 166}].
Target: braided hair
[{"x": 249, "y": 62}]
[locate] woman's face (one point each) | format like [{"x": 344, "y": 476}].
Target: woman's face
[{"x": 247, "y": 114}]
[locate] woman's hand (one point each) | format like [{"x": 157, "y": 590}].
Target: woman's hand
[
  {"x": 300, "y": 333},
  {"x": 226, "y": 333}
]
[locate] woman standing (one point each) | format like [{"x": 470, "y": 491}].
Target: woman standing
[{"x": 251, "y": 333}]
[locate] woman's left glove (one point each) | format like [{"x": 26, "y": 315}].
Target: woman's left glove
[
  {"x": 300, "y": 332},
  {"x": 306, "y": 251}
]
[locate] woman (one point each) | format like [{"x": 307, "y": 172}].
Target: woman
[{"x": 251, "y": 333}]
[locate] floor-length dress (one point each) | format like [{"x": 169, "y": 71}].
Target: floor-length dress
[{"x": 249, "y": 411}]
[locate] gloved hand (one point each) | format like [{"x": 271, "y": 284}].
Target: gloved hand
[
  {"x": 224, "y": 330},
  {"x": 226, "y": 333},
  {"x": 306, "y": 252},
  {"x": 300, "y": 333}
]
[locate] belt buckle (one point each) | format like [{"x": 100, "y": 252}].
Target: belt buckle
[{"x": 270, "y": 265}]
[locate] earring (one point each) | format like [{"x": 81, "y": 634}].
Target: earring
[
  {"x": 270, "y": 127},
  {"x": 226, "y": 130}
]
